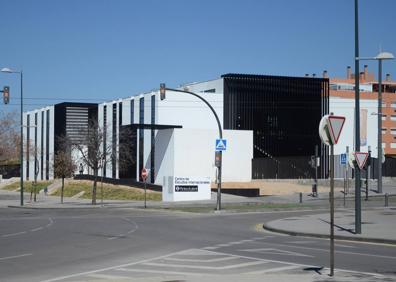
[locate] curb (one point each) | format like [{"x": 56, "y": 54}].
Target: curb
[{"x": 267, "y": 227}]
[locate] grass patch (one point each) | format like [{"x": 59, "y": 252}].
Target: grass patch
[
  {"x": 110, "y": 192},
  {"x": 27, "y": 186}
]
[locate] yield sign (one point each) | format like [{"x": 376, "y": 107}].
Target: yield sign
[
  {"x": 361, "y": 159},
  {"x": 336, "y": 123}
]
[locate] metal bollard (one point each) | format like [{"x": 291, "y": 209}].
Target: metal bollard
[
  {"x": 386, "y": 200},
  {"x": 300, "y": 197}
]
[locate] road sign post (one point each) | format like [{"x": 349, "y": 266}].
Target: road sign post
[
  {"x": 144, "y": 177},
  {"x": 330, "y": 128}
]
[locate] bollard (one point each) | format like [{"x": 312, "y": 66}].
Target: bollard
[
  {"x": 386, "y": 199},
  {"x": 300, "y": 197}
]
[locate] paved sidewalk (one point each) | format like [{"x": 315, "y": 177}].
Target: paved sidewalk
[{"x": 378, "y": 225}]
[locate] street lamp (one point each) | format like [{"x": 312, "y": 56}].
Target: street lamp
[
  {"x": 380, "y": 57},
  {"x": 7, "y": 70},
  {"x": 218, "y": 158}
]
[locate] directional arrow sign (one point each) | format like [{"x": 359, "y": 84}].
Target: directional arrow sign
[
  {"x": 336, "y": 123},
  {"x": 361, "y": 159}
]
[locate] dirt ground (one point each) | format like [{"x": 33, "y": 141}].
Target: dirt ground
[{"x": 274, "y": 187}]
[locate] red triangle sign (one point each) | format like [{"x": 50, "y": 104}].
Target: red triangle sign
[
  {"x": 336, "y": 125},
  {"x": 361, "y": 159}
]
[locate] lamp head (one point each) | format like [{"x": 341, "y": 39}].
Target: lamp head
[
  {"x": 384, "y": 56},
  {"x": 7, "y": 70}
]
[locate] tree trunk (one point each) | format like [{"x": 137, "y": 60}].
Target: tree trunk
[
  {"x": 94, "y": 187},
  {"x": 63, "y": 186}
]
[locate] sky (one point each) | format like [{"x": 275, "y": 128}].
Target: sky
[{"x": 100, "y": 50}]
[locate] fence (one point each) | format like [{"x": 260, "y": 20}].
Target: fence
[{"x": 8, "y": 171}]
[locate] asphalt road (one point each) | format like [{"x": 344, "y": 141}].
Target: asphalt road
[{"x": 110, "y": 244}]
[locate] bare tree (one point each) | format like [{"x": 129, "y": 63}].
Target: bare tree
[
  {"x": 64, "y": 164},
  {"x": 92, "y": 150},
  {"x": 9, "y": 136}
]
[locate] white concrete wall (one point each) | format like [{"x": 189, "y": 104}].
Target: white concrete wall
[
  {"x": 346, "y": 107},
  {"x": 191, "y": 153},
  {"x": 37, "y": 145},
  {"x": 189, "y": 111}
]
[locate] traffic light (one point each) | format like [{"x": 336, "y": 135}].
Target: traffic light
[
  {"x": 162, "y": 91},
  {"x": 6, "y": 94}
]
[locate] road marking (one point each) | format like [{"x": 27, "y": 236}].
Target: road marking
[
  {"x": 326, "y": 250},
  {"x": 207, "y": 267},
  {"x": 108, "y": 277},
  {"x": 112, "y": 267},
  {"x": 210, "y": 248},
  {"x": 31, "y": 230},
  {"x": 136, "y": 227},
  {"x": 13, "y": 257},
  {"x": 13, "y": 234},
  {"x": 276, "y": 269},
  {"x": 275, "y": 252},
  {"x": 158, "y": 271},
  {"x": 202, "y": 260}
]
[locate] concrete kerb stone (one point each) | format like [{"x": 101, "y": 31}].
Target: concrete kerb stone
[{"x": 268, "y": 227}]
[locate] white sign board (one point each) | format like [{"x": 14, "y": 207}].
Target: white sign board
[{"x": 185, "y": 188}]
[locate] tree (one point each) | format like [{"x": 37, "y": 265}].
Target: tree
[
  {"x": 64, "y": 165},
  {"x": 9, "y": 136},
  {"x": 91, "y": 147}
]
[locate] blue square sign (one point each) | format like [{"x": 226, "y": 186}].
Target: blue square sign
[
  {"x": 343, "y": 159},
  {"x": 221, "y": 144}
]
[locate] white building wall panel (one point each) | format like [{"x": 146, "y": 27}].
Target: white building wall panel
[{"x": 368, "y": 124}]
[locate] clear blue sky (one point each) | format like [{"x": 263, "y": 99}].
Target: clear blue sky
[{"x": 97, "y": 50}]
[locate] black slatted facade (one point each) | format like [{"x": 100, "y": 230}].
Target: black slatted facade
[{"x": 284, "y": 114}]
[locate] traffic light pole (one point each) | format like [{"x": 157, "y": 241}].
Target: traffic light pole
[{"x": 163, "y": 88}]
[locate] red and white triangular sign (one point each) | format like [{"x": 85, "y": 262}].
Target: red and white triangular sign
[
  {"x": 336, "y": 124},
  {"x": 361, "y": 159}
]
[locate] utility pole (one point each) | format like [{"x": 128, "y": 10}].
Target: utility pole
[{"x": 358, "y": 208}]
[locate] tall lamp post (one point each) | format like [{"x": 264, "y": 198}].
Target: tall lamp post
[
  {"x": 7, "y": 70},
  {"x": 163, "y": 89},
  {"x": 380, "y": 57}
]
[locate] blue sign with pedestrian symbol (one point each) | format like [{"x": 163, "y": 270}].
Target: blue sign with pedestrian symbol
[
  {"x": 343, "y": 159},
  {"x": 221, "y": 144}
]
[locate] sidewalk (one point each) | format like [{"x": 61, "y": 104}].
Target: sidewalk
[{"x": 378, "y": 225}]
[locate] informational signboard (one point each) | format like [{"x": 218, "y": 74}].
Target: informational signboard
[
  {"x": 343, "y": 159},
  {"x": 186, "y": 188},
  {"x": 221, "y": 144}
]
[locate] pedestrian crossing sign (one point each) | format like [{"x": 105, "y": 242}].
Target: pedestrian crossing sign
[{"x": 221, "y": 144}]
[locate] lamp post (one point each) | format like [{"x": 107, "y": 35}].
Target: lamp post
[
  {"x": 380, "y": 57},
  {"x": 7, "y": 70},
  {"x": 163, "y": 89}
]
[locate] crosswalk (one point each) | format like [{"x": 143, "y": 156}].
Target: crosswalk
[{"x": 205, "y": 264}]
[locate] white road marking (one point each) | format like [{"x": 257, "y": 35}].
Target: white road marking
[
  {"x": 207, "y": 267},
  {"x": 327, "y": 250},
  {"x": 276, "y": 252},
  {"x": 136, "y": 227},
  {"x": 31, "y": 230},
  {"x": 111, "y": 267},
  {"x": 202, "y": 260},
  {"x": 108, "y": 277},
  {"x": 211, "y": 248},
  {"x": 158, "y": 271},
  {"x": 13, "y": 234},
  {"x": 17, "y": 256},
  {"x": 275, "y": 269}
]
